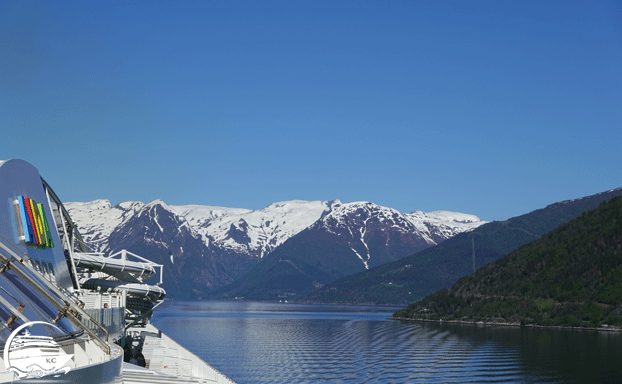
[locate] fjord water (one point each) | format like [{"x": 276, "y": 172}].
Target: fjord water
[{"x": 290, "y": 343}]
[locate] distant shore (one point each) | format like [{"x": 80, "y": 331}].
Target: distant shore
[{"x": 511, "y": 325}]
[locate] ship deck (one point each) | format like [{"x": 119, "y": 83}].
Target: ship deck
[{"x": 169, "y": 362}]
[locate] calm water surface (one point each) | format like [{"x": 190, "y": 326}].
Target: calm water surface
[{"x": 290, "y": 343}]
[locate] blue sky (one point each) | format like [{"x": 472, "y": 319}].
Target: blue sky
[{"x": 494, "y": 108}]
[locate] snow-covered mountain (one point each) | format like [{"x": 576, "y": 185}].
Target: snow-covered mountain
[
  {"x": 358, "y": 221},
  {"x": 98, "y": 218},
  {"x": 213, "y": 246},
  {"x": 252, "y": 232},
  {"x": 347, "y": 238},
  {"x": 256, "y": 233}
]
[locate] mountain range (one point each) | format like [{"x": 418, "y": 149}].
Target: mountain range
[
  {"x": 204, "y": 248},
  {"x": 411, "y": 278}
]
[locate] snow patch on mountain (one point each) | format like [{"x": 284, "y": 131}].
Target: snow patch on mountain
[
  {"x": 443, "y": 223},
  {"x": 98, "y": 218},
  {"x": 259, "y": 232},
  {"x": 248, "y": 231},
  {"x": 255, "y": 232},
  {"x": 432, "y": 227}
]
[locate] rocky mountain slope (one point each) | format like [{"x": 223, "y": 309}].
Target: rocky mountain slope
[
  {"x": 416, "y": 276},
  {"x": 205, "y": 247},
  {"x": 244, "y": 231},
  {"x": 347, "y": 239}
]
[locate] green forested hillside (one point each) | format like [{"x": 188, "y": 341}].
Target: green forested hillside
[
  {"x": 414, "y": 277},
  {"x": 572, "y": 276}
]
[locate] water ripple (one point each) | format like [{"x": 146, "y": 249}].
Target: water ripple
[{"x": 311, "y": 347}]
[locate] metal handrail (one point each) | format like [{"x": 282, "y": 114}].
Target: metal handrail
[
  {"x": 67, "y": 309},
  {"x": 64, "y": 212}
]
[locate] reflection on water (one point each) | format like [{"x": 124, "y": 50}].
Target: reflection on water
[
  {"x": 287, "y": 343},
  {"x": 570, "y": 356}
]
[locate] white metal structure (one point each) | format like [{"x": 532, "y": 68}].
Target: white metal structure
[{"x": 87, "y": 300}]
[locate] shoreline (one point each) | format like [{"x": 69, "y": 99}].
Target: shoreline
[
  {"x": 512, "y": 325},
  {"x": 400, "y": 306}
]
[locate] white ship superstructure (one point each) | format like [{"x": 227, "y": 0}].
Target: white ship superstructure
[{"x": 90, "y": 305}]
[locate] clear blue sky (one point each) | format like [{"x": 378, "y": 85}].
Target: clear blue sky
[{"x": 494, "y": 108}]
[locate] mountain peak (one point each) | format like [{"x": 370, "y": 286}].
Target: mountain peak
[
  {"x": 456, "y": 217},
  {"x": 156, "y": 202},
  {"x": 96, "y": 204},
  {"x": 128, "y": 205}
]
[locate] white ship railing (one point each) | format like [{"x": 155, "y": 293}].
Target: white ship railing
[
  {"x": 165, "y": 355},
  {"x": 107, "y": 309}
]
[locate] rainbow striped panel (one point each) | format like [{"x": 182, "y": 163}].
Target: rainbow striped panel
[{"x": 34, "y": 223}]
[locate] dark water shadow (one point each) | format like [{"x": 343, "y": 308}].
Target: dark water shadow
[{"x": 572, "y": 356}]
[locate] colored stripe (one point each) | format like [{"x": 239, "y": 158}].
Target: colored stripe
[
  {"x": 31, "y": 218},
  {"x": 24, "y": 216},
  {"x": 27, "y": 218},
  {"x": 44, "y": 232},
  {"x": 39, "y": 224},
  {"x": 36, "y": 221},
  {"x": 46, "y": 227},
  {"x": 35, "y": 215},
  {"x": 40, "y": 227}
]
